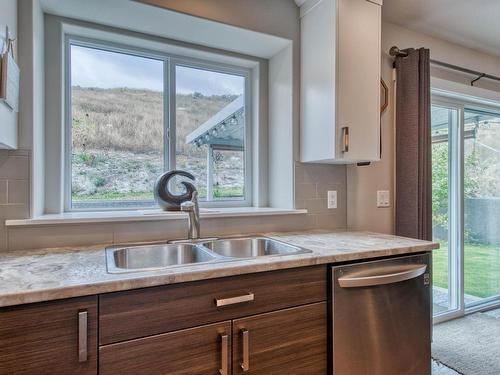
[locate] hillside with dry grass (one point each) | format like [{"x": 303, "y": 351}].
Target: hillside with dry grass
[
  {"x": 132, "y": 120},
  {"x": 117, "y": 137}
]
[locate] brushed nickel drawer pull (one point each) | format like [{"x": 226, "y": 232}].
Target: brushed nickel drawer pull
[
  {"x": 224, "y": 355},
  {"x": 219, "y": 302},
  {"x": 82, "y": 336},
  {"x": 245, "y": 364}
]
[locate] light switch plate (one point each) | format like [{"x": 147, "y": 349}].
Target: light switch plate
[
  {"x": 332, "y": 198},
  {"x": 383, "y": 198}
]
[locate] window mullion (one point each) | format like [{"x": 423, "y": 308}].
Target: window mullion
[
  {"x": 170, "y": 125},
  {"x": 166, "y": 114}
]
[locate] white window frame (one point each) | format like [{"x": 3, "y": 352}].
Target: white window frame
[{"x": 170, "y": 62}]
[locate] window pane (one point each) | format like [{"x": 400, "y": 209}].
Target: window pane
[
  {"x": 481, "y": 206},
  {"x": 117, "y": 128},
  {"x": 210, "y": 131}
]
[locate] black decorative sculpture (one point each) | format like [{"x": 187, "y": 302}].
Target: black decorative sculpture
[{"x": 166, "y": 199}]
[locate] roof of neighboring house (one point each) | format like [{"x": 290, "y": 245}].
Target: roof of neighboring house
[
  {"x": 440, "y": 119},
  {"x": 225, "y": 129}
]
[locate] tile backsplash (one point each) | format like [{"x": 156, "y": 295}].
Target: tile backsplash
[
  {"x": 14, "y": 189},
  {"x": 312, "y": 183}
]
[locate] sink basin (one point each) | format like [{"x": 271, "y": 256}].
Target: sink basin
[
  {"x": 154, "y": 257},
  {"x": 251, "y": 247},
  {"x": 151, "y": 257}
]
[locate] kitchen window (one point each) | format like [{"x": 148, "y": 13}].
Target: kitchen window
[{"x": 132, "y": 114}]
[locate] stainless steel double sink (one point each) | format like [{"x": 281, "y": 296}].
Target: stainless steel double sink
[{"x": 157, "y": 256}]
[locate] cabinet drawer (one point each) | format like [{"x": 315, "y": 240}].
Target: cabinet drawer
[
  {"x": 144, "y": 312},
  {"x": 194, "y": 351}
]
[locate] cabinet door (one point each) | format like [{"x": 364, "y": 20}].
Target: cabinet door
[
  {"x": 57, "y": 337},
  {"x": 195, "y": 351},
  {"x": 358, "y": 79},
  {"x": 288, "y": 342}
]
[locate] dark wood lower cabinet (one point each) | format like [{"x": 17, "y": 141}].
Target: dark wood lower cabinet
[
  {"x": 58, "y": 337},
  {"x": 288, "y": 342},
  {"x": 195, "y": 351},
  {"x": 281, "y": 330}
]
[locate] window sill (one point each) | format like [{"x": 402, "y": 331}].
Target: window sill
[{"x": 147, "y": 215}]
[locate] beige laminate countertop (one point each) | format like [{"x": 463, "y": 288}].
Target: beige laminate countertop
[{"x": 49, "y": 274}]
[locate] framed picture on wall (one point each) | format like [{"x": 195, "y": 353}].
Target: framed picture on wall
[{"x": 9, "y": 75}]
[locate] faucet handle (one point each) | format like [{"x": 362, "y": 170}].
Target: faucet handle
[
  {"x": 191, "y": 204},
  {"x": 187, "y": 206},
  {"x": 193, "y": 210},
  {"x": 194, "y": 196}
]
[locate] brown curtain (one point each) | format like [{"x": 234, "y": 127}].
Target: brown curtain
[{"x": 413, "y": 145}]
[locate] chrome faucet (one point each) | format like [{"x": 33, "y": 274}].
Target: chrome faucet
[{"x": 193, "y": 210}]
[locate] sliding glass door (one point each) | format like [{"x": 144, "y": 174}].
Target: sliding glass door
[
  {"x": 466, "y": 206},
  {"x": 481, "y": 207}
]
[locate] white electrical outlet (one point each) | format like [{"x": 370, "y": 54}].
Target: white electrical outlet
[
  {"x": 332, "y": 198},
  {"x": 383, "y": 198}
]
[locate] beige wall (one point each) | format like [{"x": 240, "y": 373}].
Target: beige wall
[
  {"x": 278, "y": 17},
  {"x": 363, "y": 182}
]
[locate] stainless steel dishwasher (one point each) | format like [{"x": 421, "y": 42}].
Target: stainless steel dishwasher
[{"x": 381, "y": 317}]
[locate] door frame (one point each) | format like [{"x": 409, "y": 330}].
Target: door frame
[{"x": 455, "y": 210}]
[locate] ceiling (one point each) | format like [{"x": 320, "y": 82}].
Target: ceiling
[{"x": 471, "y": 23}]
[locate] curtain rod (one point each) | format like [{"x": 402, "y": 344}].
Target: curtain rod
[{"x": 396, "y": 52}]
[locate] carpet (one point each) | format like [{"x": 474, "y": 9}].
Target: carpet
[
  {"x": 469, "y": 345},
  {"x": 440, "y": 369}
]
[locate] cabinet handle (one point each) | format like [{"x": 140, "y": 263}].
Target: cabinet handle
[
  {"x": 245, "y": 364},
  {"x": 234, "y": 300},
  {"x": 345, "y": 139},
  {"x": 82, "y": 336},
  {"x": 224, "y": 355},
  {"x": 382, "y": 276}
]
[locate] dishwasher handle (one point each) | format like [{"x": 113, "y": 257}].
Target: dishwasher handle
[{"x": 382, "y": 275}]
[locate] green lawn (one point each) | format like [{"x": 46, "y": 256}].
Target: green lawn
[
  {"x": 481, "y": 269},
  {"x": 219, "y": 192}
]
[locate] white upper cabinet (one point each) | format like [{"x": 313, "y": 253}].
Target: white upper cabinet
[{"x": 340, "y": 81}]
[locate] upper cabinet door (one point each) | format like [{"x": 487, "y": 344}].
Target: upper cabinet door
[
  {"x": 57, "y": 337},
  {"x": 358, "y": 79},
  {"x": 318, "y": 76},
  {"x": 340, "y": 81},
  {"x": 285, "y": 342}
]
